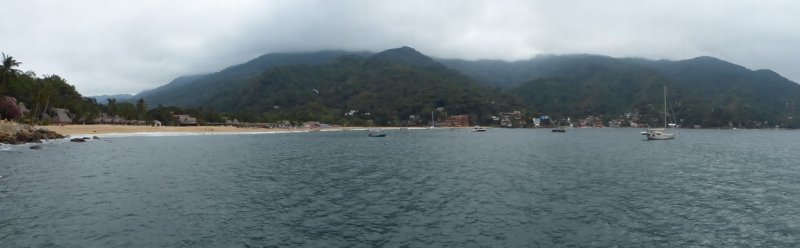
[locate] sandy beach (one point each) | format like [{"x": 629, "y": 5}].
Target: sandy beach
[{"x": 126, "y": 129}]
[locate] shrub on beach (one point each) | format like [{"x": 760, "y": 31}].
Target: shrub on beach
[{"x": 8, "y": 108}]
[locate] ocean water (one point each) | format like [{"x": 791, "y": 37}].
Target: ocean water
[{"x": 413, "y": 188}]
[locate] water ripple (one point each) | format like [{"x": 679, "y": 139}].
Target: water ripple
[{"x": 503, "y": 188}]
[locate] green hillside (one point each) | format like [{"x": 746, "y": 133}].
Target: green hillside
[
  {"x": 397, "y": 84},
  {"x": 395, "y": 87},
  {"x": 703, "y": 91},
  {"x": 184, "y": 91}
]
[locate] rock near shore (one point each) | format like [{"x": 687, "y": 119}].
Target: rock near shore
[{"x": 14, "y": 133}]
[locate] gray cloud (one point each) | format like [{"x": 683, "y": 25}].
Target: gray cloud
[{"x": 128, "y": 46}]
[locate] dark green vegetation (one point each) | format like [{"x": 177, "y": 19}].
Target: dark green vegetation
[
  {"x": 398, "y": 83},
  {"x": 702, "y": 91},
  {"x": 187, "y": 90},
  {"x": 39, "y": 93},
  {"x": 402, "y": 87},
  {"x": 396, "y": 87}
]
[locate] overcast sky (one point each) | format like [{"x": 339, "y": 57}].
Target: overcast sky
[{"x": 111, "y": 47}]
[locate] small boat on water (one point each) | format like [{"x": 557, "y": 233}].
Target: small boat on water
[
  {"x": 558, "y": 130},
  {"x": 659, "y": 134},
  {"x": 376, "y": 133},
  {"x": 479, "y": 129}
]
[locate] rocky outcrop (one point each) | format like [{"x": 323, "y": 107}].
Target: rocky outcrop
[{"x": 14, "y": 133}]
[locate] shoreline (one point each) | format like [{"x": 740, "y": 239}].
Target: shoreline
[
  {"x": 83, "y": 130},
  {"x": 129, "y": 130},
  {"x": 14, "y": 133},
  {"x": 91, "y": 132}
]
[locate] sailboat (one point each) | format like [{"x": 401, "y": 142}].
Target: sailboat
[
  {"x": 433, "y": 121},
  {"x": 661, "y": 134}
]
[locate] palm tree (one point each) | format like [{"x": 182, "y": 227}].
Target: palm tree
[
  {"x": 112, "y": 107},
  {"x": 141, "y": 107},
  {"x": 7, "y": 70}
]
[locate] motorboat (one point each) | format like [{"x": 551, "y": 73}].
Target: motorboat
[
  {"x": 478, "y": 129},
  {"x": 376, "y": 133}
]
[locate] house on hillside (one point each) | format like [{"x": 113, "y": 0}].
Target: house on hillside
[
  {"x": 185, "y": 120},
  {"x": 517, "y": 115},
  {"x": 457, "y": 121},
  {"x": 311, "y": 124},
  {"x": 102, "y": 119},
  {"x": 537, "y": 122},
  {"x": 22, "y": 109},
  {"x": 108, "y": 119},
  {"x": 505, "y": 122},
  {"x": 228, "y": 121},
  {"x": 60, "y": 116}
]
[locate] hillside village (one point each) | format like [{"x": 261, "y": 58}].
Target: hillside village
[{"x": 510, "y": 119}]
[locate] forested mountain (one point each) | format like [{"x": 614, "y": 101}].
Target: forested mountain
[
  {"x": 703, "y": 91},
  {"x": 184, "y": 91},
  {"x": 399, "y": 83},
  {"x": 510, "y": 74},
  {"x": 395, "y": 87}
]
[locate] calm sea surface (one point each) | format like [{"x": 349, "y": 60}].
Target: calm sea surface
[{"x": 414, "y": 188}]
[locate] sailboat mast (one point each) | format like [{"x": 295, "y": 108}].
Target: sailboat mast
[
  {"x": 433, "y": 121},
  {"x": 665, "y": 106}
]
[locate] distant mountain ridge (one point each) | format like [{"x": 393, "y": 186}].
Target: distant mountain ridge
[
  {"x": 394, "y": 87},
  {"x": 404, "y": 55},
  {"x": 706, "y": 91},
  {"x": 177, "y": 93},
  {"x": 509, "y": 74}
]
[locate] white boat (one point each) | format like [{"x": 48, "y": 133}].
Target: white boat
[
  {"x": 661, "y": 134},
  {"x": 478, "y": 129}
]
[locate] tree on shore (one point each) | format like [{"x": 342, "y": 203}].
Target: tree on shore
[
  {"x": 141, "y": 107},
  {"x": 7, "y": 70},
  {"x": 111, "y": 107}
]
